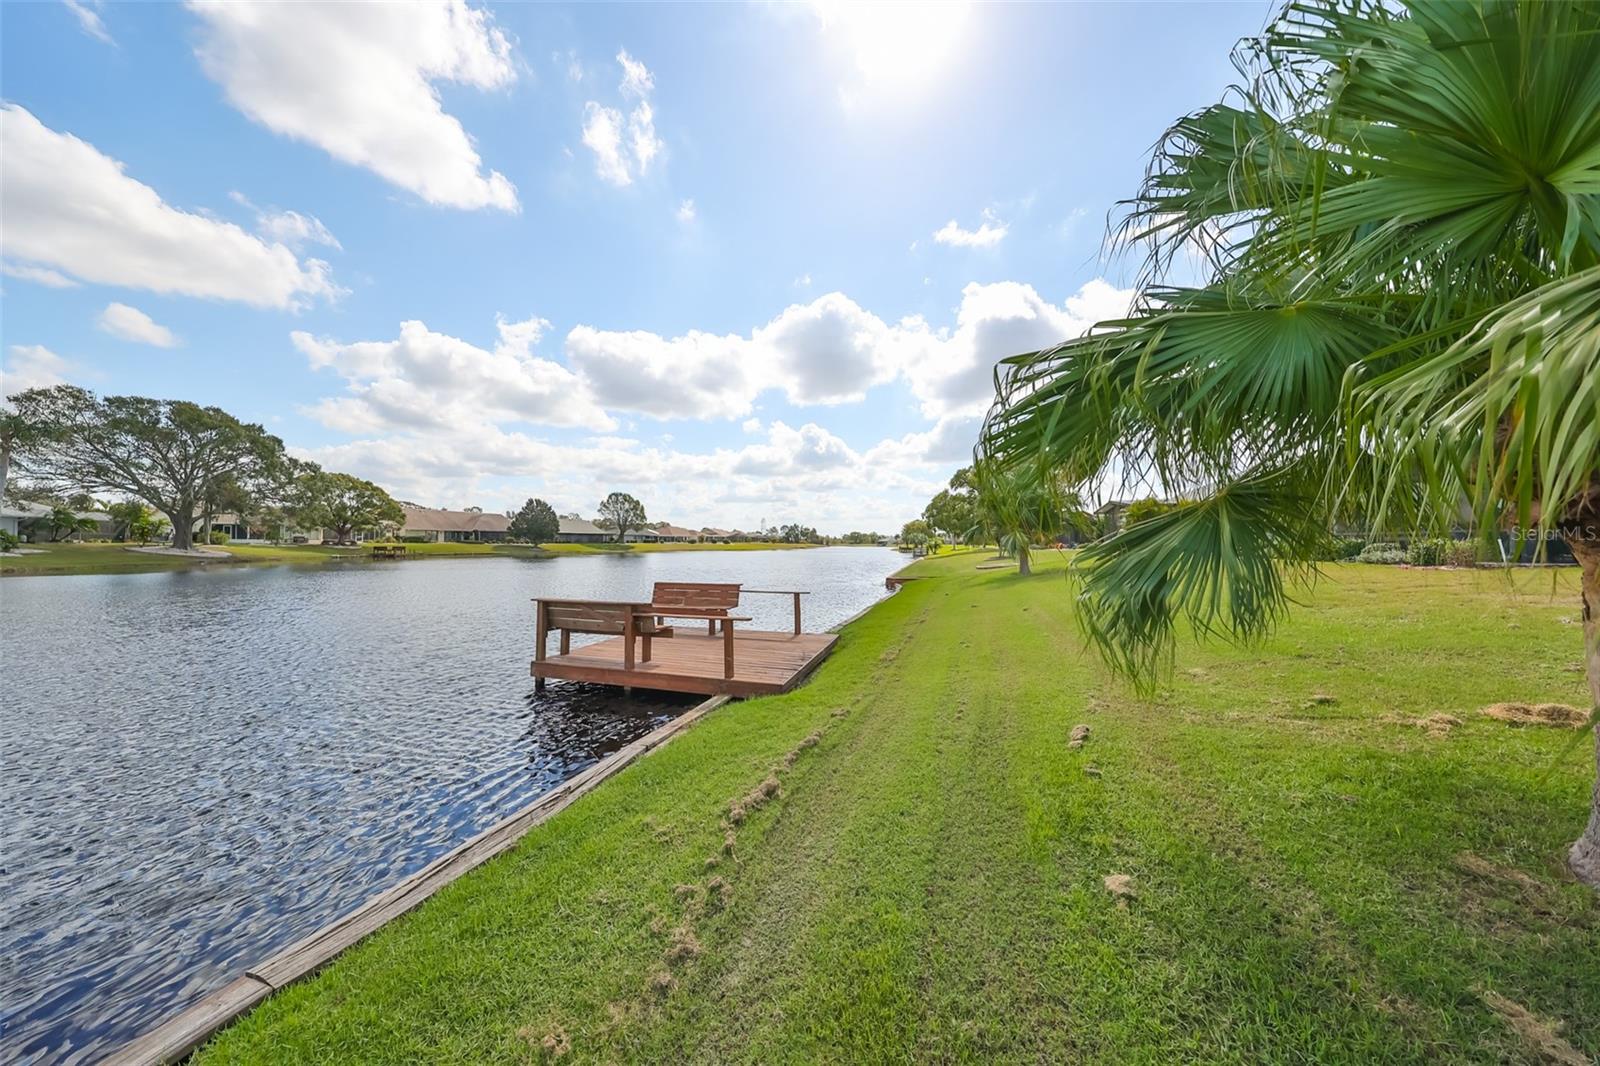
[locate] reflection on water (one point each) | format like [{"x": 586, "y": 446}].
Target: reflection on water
[{"x": 202, "y": 767}]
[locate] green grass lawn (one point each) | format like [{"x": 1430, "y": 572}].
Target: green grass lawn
[
  {"x": 92, "y": 558},
  {"x": 1317, "y": 876}
]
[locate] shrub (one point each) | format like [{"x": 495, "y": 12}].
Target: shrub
[
  {"x": 1340, "y": 549},
  {"x": 218, "y": 537},
  {"x": 1139, "y": 510},
  {"x": 1382, "y": 552},
  {"x": 1428, "y": 551},
  {"x": 9, "y": 541},
  {"x": 1462, "y": 553}
]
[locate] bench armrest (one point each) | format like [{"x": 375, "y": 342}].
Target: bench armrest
[
  {"x": 796, "y": 593},
  {"x": 691, "y": 612}
]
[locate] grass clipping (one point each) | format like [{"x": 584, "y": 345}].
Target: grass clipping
[
  {"x": 1541, "y": 1036},
  {"x": 1558, "y": 715}
]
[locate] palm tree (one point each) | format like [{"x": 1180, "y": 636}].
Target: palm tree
[
  {"x": 1020, "y": 505},
  {"x": 1396, "y": 220},
  {"x": 63, "y": 522}
]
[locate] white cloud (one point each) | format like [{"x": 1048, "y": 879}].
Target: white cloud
[
  {"x": 296, "y": 230},
  {"x": 427, "y": 380},
  {"x": 602, "y": 134},
  {"x": 686, "y": 211},
  {"x": 789, "y": 452},
  {"x": 803, "y": 281},
  {"x": 32, "y": 366},
  {"x": 642, "y": 136},
  {"x": 827, "y": 351},
  {"x": 805, "y": 474},
  {"x": 637, "y": 81},
  {"x": 952, "y": 372},
  {"x": 830, "y": 351},
  {"x": 624, "y": 149},
  {"x": 358, "y": 81},
  {"x": 948, "y": 443},
  {"x": 288, "y": 227},
  {"x": 132, "y": 324},
  {"x": 433, "y": 413},
  {"x": 69, "y": 207},
  {"x": 990, "y": 232},
  {"x": 693, "y": 376},
  {"x": 53, "y": 279},
  {"x": 89, "y": 19}
]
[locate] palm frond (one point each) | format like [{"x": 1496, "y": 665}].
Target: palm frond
[
  {"x": 1508, "y": 417},
  {"x": 1218, "y": 563}
]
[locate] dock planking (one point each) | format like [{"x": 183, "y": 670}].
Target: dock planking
[{"x": 764, "y": 663}]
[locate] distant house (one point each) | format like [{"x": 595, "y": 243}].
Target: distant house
[
  {"x": 438, "y": 526},
  {"x": 581, "y": 531},
  {"x": 672, "y": 534},
  {"x": 713, "y": 535},
  {"x": 31, "y": 521},
  {"x": 643, "y": 536},
  {"x": 1111, "y": 514},
  {"x": 15, "y": 518},
  {"x": 237, "y": 527}
]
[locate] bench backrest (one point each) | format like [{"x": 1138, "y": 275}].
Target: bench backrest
[
  {"x": 704, "y": 595},
  {"x": 596, "y": 616}
]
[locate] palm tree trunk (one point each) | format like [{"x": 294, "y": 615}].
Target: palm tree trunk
[
  {"x": 1022, "y": 561},
  {"x": 1585, "y": 854}
]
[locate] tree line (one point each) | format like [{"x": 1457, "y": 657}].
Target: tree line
[{"x": 179, "y": 459}]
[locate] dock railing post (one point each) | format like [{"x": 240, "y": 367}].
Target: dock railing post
[
  {"x": 727, "y": 650},
  {"x": 627, "y": 638},
  {"x": 796, "y": 614},
  {"x": 543, "y": 626}
]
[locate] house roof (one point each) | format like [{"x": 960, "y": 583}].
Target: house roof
[
  {"x": 667, "y": 529},
  {"x": 580, "y": 525},
  {"x": 432, "y": 520},
  {"x": 26, "y": 509}
]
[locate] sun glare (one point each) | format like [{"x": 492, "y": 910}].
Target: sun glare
[{"x": 895, "y": 45}]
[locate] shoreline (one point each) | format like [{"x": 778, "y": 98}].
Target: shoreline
[{"x": 72, "y": 558}]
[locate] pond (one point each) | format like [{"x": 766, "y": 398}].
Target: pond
[{"x": 201, "y": 767}]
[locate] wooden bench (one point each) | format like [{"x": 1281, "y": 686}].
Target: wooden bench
[
  {"x": 704, "y": 599},
  {"x": 713, "y": 597},
  {"x": 599, "y": 618}
]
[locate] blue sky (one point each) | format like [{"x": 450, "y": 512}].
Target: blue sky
[{"x": 745, "y": 261}]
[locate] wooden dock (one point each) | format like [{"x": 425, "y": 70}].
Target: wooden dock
[{"x": 764, "y": 663}]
